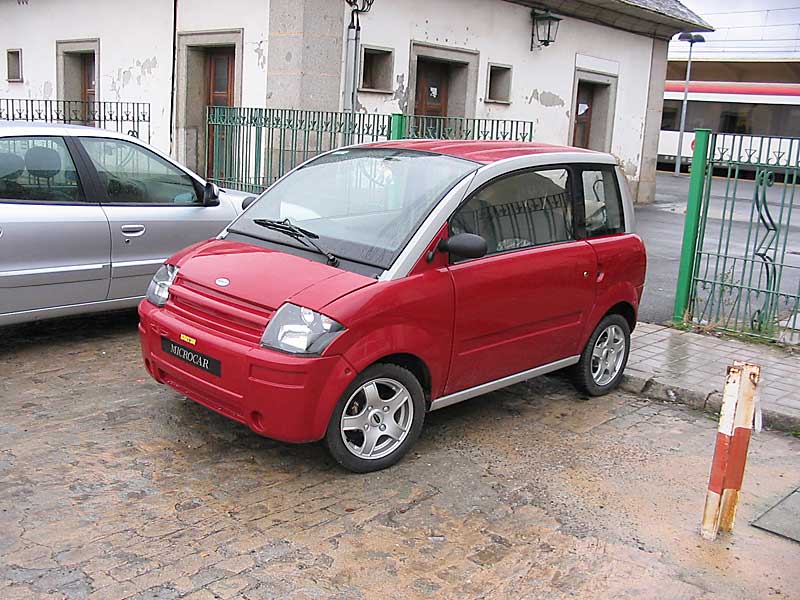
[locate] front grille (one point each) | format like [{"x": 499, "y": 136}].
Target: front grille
[{"x": 220, "y": 313}]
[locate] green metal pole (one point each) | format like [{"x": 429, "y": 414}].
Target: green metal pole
[
  {"x": 397, "y": 130},
  {"x": 691, "y": 224}
]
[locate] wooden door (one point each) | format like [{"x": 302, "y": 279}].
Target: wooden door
[
  {"x": 583, "y": 115},
  {"x": 220, "y": 85},
  {"x": 432, "y": 80}
]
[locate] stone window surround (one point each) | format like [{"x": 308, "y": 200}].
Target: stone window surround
[{"x": 469, "y": 59}]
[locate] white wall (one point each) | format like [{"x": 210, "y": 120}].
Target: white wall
[
  {"x": 135, "y": 59},
  {"x": 543, "y": 80},
  {"x": 745, "y": 30}
]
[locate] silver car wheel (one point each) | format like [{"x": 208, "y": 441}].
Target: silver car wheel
[
  {"x": 377, "y": 418},
  {"x": 608, "y": 355}
]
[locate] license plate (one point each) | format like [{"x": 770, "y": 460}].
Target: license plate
[{"x": 193, "y": 357}]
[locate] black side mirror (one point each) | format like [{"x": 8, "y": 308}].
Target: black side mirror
[
  {"x": 247, "y": 202},
  {"x": 210, "y": 195},
  {"x": 464, "y": 245}
]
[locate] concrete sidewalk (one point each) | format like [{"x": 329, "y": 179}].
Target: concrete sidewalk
[{"x": 690, "y": 368}]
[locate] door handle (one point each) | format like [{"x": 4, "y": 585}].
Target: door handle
[{"x": 132, "y": 230}]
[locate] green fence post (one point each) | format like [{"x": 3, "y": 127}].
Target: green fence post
[
  {"x": 691, "y": 224},
  {"x": 397, "y": 131}
]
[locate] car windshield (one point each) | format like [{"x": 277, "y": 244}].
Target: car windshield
[{"x": 365, "y": 204}]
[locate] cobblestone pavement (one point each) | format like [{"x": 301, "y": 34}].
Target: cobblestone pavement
[
  {"x": 694, "y": 365},
  {"x": 112, "y": 486}
]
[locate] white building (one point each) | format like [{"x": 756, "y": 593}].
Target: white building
[{"x": 599, "y": 84}]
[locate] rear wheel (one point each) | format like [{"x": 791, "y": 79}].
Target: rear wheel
[
  {"x": 377, "y": 419},
  {"x": 603, "y": 361}
]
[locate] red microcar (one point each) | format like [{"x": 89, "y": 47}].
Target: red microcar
[{"x": 376, "y": 283}]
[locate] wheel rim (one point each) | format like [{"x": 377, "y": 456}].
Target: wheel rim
[
  {"x": 608, "y": 355},
  {"x": 376, "y": 419}
]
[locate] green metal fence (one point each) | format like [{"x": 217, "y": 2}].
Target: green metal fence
[
  {"x": 249, "y": 148},
  {"x": 740, "y": 265}
]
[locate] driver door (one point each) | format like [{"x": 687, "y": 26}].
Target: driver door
[{"x": 153, "y": 207}]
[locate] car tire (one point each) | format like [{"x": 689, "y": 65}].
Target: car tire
[
  {"x": 603, "y": 360},
  {"x": 377, "y": 419}
]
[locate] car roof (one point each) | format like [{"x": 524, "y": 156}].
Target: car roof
[
  {"x": 9, "y": 128},
  {"x": 489, "y": 151}
]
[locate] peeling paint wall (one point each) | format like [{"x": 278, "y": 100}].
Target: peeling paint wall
[
  {"x": 134, "y": 62},
  {"x": 135, "y": 58},
  {"x": 542, "y": 87}
]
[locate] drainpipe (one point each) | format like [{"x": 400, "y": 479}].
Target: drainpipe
[
  {"x": 173, "y": 82},
  {"x": 351, "y": 60}
]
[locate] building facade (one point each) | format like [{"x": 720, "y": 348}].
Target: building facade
[{"x": 598, "y": 85}]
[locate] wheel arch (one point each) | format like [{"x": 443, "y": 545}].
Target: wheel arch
[{"x": 413, "y": 363}]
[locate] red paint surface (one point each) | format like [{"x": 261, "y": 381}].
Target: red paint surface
[
  {"x": 745, "y": 89},
  {"x": 482, "y": 151},
  {"x": 467, "y": 323},
  {"x": 730, "y": 459}
]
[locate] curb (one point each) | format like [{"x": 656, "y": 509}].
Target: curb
[{"x": 705, "y": 400}]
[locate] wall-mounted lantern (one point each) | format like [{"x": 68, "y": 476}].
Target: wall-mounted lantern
[
  {"x": 545, "y": 28},
  {"x": 360, "y": 6}
]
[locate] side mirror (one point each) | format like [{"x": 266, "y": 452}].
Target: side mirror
[
  {"x": 464, "y": 245},
  {"x": 210, "y": 195},
  {"x": 247, "y": 202}
]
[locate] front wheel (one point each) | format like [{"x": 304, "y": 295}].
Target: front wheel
[
  {"x": 603, "y": 360},
  {"x": 377, "y": 419}
]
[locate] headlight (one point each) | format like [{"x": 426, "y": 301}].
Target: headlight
[
  {"x": 300, "y": 330},
  {"x": 158, "y": 290}
]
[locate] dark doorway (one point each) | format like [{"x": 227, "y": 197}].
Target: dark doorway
[
  {"x": 432, "y": 88},
  {"x": 220, "y": 76},
  {"x": 583, "y": 115},
  {"x": 88, "y": 86},
  {"x": 220, "y": 79}
]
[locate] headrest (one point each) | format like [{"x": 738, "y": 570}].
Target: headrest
[
  {"x": 11, "y": 166},
  {"x": 42, "y": 162}
]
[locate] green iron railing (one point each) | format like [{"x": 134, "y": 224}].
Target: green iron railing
[
  {"x": 249, "y": 148},
  {"x": 740, "y": 265}
]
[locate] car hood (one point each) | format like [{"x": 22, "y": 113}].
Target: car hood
[{"x": 265, "y": 277}]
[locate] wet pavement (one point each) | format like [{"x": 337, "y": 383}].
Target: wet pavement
[{"x": 112, "y": 486}]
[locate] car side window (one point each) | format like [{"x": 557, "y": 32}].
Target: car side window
[
  {"x": 530, "y": 208},
  {"x": 131, "y": 174},
  {"x": 602, "y": 203},
  {"x": 38, "y": 169}
]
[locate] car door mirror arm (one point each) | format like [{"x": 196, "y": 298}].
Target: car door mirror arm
[{"x": 210, "y": 194}]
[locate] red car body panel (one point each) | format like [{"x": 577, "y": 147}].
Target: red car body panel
[{"x": 467, "y": 323}]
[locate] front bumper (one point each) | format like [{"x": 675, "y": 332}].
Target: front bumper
[{"x": 285, "y": 397}]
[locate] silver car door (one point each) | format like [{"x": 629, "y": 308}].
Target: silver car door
[
  {"x": 154, "y": 209},
  {"x": 54, "y": 244}
]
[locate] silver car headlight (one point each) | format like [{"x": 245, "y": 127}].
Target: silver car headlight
[
  {"x": 300, "y": 330},
  {"x": 158, "y": 290}
]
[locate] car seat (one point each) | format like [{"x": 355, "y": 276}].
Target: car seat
[{"x": 11, "y": 168}]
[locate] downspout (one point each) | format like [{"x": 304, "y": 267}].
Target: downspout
[
  {"x": 350, "y": 69},
  {"x": 172, "y": 81}
]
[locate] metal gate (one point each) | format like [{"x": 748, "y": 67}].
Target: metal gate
[
  {"x": 740, "y": 263},
  {"x": 249, "y": 148}
]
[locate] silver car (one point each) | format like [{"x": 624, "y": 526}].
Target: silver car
[{"x": 87, "y": 216}]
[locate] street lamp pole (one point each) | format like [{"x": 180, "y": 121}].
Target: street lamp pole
[{"x": 692, "y": 38}]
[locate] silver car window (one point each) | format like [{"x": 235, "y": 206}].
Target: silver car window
[
  {"x": 131, "y": 174},
  {"x": 38, "y": 169}
]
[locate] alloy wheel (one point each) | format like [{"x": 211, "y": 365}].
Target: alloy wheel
[{"x": 377, "y": 418}]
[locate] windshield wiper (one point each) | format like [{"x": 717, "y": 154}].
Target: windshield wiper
[{"x": 303, "y": 236}]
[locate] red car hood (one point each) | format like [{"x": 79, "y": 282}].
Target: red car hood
[{"x": 264, "y": 277}]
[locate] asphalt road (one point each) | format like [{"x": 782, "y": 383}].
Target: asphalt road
[{"x": 661, "y": 227}]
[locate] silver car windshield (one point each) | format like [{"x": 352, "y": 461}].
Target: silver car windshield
[{"x": 363, "y": 203}]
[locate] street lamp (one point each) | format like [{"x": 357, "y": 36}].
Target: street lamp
[
  {"x": 545, "y": 28},
  {"x": 692, "y": 38}
]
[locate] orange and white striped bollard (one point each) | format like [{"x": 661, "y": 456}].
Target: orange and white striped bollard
[{"x": 730, "y": 454}]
